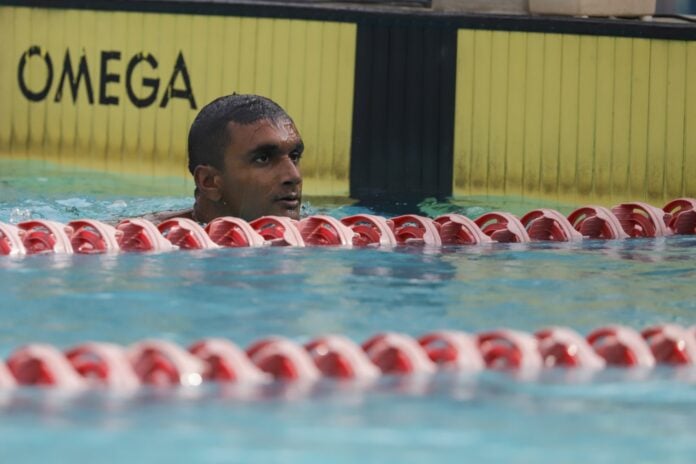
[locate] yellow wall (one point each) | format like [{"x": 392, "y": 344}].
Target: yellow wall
[
  {"x": 577, "y": 118},
  {"x": 306, "y": 66},
  {"x": 558, "y": 116}
]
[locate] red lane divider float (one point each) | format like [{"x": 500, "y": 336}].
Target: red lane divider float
[
  {"x": 226, "y": 362},
  {"x": 141, "y": 235},
  {"x": 283, "y": 359},
  {"x": 563, "y": 347},
  {"x": 548, "y": 224},
  {"x": 626, "y": 220},
  {"x": 597, "y": 222},
  {"x": 452, "y": 349},
  {"x": 186, "y": 234},
  {"x": 456, "y": 229},
  {"x": 642, "y": 220},
  {"x": 161, "y": 363},
  {"x": 671, "y": 344},
  {"x": 397, "y": 353},
  {"x": 43, "y": 365},
  {"x": 621, "y": 346},
  {"x": 325, "y": 231},
  {"x": 44, "y": 237},
  {"x": 509, "y": 349},
  {"x": 158, "y": 362},
  {"x": 410, "y": 229},
  {"x": 88, "y": 236},
  {"x": 339, "y": 357},
  {"x": 278, "y": 231},
  {"x": 370, "y": 230},
  {"x": 503, "y": 228},
  {"x": 681, "y": 216},
  {"x": 103, "y": 364},
  {"x": 233, "y": 232},
  {"x": 10, "y": 241}
]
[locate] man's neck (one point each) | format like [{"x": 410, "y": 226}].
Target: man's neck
[{"x": 205, "y": 211}]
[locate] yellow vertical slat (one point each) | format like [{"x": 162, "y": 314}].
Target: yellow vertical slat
[
  {"x": 327, "y": 98},
  {"x": 603, "y": 122},
  {"x": 587, "y": 100},
  {"x": 163, "y": 116},
  {"x": 230, "y": 56},
  {"x": 533, "y": 114},
  {"x": 8, "y": 54},
  {"x": 100, "y": 35},
  {"x": 86, "y": 111},
  {"x": 676, "y": 97},
  {"x": 551, "y": 113},
  {"x": 20, "y": 106},
  {"x": 296, "y": 75},
  {"x": 310, "y": 120},
  {"x": 214, "y": 51},
  {"x": 639, "y": 117},
  {"x": 344, "y": 107},
  {"x": 148, "y": 116},
  {"x": 132, "y": 115},
  {"x": 280, "y": 56},
  {"x": 514, "y": 151},
  {"x": 690, "y": 123},
  {"x": 463, "y": 117},
  {"x": 54, "y": 121},
  {"x": 247, "y": 54},
  {"x": 568, "y": 146},
  {"x": 117, "y": 113},
  {"x": 264, "y": 57},
  {"x": 179, "y": 109},
  {"x": 498, "y": 118},
  {"x": 657, "y": 120},
  {"x": 69, "y": 148},
  {"x": 204, "y": 53},
  {"x": 68, "y": 108},
  {"x": 621, "y": 123},
  {"x": 481, "y": 109},
  {"x": 37, "y": 110},
  {"x": 8, "y": 76}
]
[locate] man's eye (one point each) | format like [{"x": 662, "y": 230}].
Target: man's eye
[
  {"x": 295, "y": 156},
  {"x": 261, "y": 159}
]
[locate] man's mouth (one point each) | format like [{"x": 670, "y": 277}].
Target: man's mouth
[{"x": 290, "y": 201}]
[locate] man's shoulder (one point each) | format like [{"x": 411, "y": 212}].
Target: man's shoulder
[{"x": 160, "y": 216}]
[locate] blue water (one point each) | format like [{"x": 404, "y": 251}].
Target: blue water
[{"x": 557, "y": 416}]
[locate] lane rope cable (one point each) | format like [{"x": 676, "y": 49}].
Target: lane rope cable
[
  {"x": 88, "y": 236},
  {"x": 163, "y": 363}
]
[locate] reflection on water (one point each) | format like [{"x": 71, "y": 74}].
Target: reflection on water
[{"x": 616, "y": 385}]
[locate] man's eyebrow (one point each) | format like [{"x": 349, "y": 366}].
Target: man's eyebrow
[{"x": 271, "y": 148}]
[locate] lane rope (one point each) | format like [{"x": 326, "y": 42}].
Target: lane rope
[
  {"x": 87, "y": 236},
  {"x": 163, "y": 363}
]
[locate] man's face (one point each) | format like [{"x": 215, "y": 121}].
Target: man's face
[{"x": 261, "y": 173}]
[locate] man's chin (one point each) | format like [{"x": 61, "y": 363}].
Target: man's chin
[
  {"x": 286, "y": 211},
  {"x": 293, "y": 214}
]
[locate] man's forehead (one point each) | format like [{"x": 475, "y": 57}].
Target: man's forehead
[{"x": 283, "y": 129}]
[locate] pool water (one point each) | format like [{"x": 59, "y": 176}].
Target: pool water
[{"x": 613, "y": 416}]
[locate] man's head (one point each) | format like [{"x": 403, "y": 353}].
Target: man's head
[{"x": 244, "y": 153}]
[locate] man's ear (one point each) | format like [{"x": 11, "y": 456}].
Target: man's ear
[{"x": 208, "y": 181}]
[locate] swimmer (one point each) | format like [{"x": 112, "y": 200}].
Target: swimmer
[{"x": 244, "y": 154}]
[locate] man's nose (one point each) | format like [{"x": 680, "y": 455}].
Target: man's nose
[{"x": 290, "y": 172}]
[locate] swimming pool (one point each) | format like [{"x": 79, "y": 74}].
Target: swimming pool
[{"x": 245, "y": 294}]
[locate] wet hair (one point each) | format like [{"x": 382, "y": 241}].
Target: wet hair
[{"x": 209, "y": 135}]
